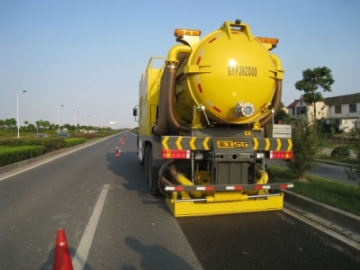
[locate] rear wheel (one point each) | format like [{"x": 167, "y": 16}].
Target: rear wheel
[{"x": 151, "y": 173}]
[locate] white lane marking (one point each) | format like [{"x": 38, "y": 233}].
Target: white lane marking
[
  {"x": 82, "y": 251},
  {"x": 323, "y": 229}
]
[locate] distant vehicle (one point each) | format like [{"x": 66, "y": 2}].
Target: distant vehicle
[
  {"x": 41, "y": 135},
  {"x": 64, "y": 135}
]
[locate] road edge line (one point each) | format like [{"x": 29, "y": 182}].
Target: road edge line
[{"x": 323, "y": 229}]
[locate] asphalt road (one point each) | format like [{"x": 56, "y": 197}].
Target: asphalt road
[
  {"x": 326, "y": 171},
  {"x": 112, "y": 222}
]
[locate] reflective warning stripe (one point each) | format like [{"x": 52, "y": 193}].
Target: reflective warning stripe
[
  {"x": 267, "y": 144},
  {"x": 290, "y": 144},
  {"x": 164, "y": 143},
  {"x": 256, "y": 144},
  {"x": 203, "y": 143},
  {"x": 185, "y": 143},
  {"x": 178, "y": 143},
  {"x": 234, "y": 187},
  {"x": 229, "y": 187},
  {"x": 192, "y": 145},
  {"x": 278, "y": 148}
]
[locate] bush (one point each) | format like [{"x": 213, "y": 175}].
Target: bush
[
  {"x": 50, "y": 143},
  {"x": 305, "y": 142},
  {"x": 10, "y": 155},
  {"x": 74, "y": 141},
  {"x": 87, "y": 136},
  {"x": 340, "y": 152}
]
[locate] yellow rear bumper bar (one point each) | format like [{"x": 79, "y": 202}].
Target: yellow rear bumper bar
[{"x": 202, "y": 207}]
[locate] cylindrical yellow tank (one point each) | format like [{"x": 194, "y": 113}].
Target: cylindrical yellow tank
[{"x": 230, "y": 74}]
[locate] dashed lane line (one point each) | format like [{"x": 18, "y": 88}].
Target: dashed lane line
[{"x": 82, "y": 251}]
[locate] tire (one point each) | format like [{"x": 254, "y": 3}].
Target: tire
[{"x": 151, "y": 173}]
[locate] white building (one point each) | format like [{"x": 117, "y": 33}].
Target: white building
[
  {"x": 344, "y": 110},
  {"x": 341, "y": 110}
]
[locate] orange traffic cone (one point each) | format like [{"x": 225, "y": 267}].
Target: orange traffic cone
[
  {"x": 62, "y": 259},
  {"x": 117, "y": 152}
]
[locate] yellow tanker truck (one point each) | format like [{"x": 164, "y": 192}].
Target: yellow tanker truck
[{"x": 206, "y": 123}]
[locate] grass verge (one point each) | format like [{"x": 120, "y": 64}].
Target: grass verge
[{"x": 339, "y": 195}]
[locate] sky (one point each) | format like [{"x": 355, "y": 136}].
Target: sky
[{"x": 88, "y": 55}]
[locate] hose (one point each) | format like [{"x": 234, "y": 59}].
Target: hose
[{"x": 275, "y": 103}]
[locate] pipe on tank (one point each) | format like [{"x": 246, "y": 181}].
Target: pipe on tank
[
  {"x": 182, "y": 180},
  {"x": 175, "y": 54},
  {"x": 162, "y": 126},
  {"x": 277, "y": 96},
  {"x": 166, "y": 115},
  {"x": 275, "y": 103},
  {"x": 170, "y": 103},
  {"x": 176, "y": 51}
]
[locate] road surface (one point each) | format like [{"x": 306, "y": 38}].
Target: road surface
[{"x": 111, "y": 222}]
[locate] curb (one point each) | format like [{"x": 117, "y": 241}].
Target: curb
[
  {"x": 334, "y": 215},
  {"x": 337, "y": 164}
]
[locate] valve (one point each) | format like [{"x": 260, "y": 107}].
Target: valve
[{"x": 244, "y": 109}]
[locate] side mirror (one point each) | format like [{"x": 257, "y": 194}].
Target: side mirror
[{"x": 135, "y": 113}]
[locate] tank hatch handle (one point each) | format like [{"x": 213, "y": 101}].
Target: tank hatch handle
[{"x": 229, "y": 27}]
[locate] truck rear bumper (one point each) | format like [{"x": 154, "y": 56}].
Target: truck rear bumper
[{"x": 185, "y": 208}]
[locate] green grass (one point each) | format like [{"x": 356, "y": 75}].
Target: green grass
[{"x": 339, "y": 195}]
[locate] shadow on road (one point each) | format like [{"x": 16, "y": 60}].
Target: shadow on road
[
  {"x": 155, "y": 257},
  {"x": 131, "y": 172}
]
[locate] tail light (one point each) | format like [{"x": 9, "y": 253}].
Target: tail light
[
  {"x": 281, "y": 154},
  {"x": 175, "y": 154}
]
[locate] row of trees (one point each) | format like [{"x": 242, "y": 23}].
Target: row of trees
[{"x": 40, "y": 126}]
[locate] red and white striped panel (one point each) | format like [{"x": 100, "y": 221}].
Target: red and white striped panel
[{"x": 229, "y": 187}]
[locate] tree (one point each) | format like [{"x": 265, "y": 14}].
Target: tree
[
  {"x": 26, "y": 125},
  {"x": 305, "y": 143},
  {"x": 46, "y": 124},
  {"x": 312, "y": 80},
  {"x": 354, "y": 173},
  {"x": 11, "y": 122},
  {"x": 31, "y": 127},
  {"x": 43, "y": 124},
  {"x": 282, "y": 116},
  {"x": 2, "y": 124}
]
